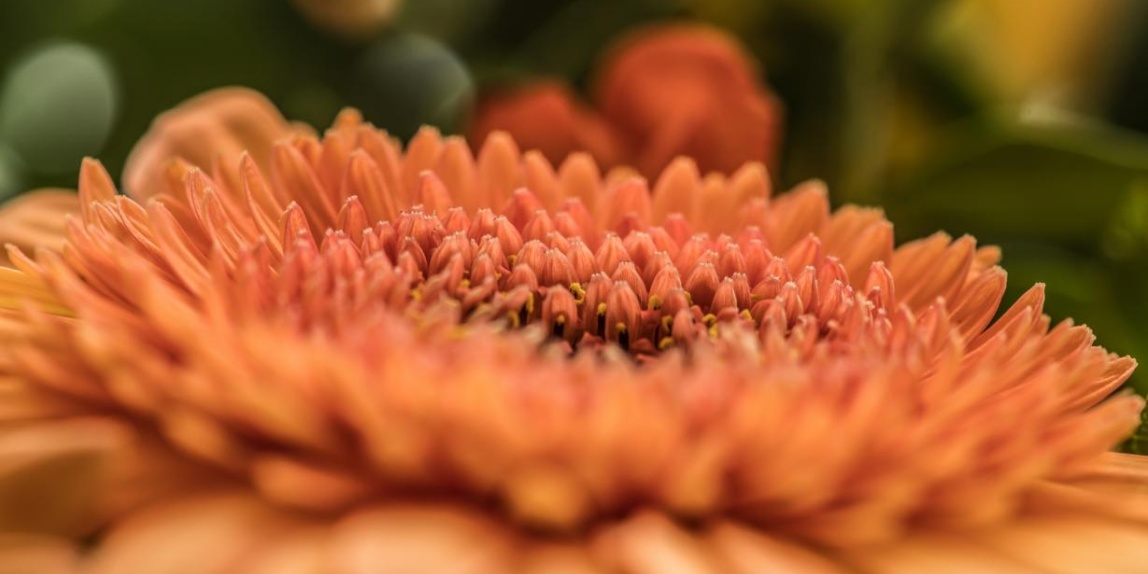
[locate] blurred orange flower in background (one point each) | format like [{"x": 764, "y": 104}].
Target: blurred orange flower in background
[
  {"x": 547, "y": 116},
  {"x": 661, "y": 92},
  {"x": 363, "y": 358}
]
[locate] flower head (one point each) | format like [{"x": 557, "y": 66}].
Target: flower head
[
  {"x": 663, "y": 91},
  {"x": 361, "y": 356}
]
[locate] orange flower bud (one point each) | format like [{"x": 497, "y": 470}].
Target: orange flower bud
[
  {"x": 547, "y": 117},
  {"x": 662, "y": 92},
  {"x": 689, "y": 90}
]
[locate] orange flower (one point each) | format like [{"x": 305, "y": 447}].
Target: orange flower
[
  {"x": 663, "y": 92},
  {"x": 547, "y": 117},
  {"x": 365, "y": 359}
]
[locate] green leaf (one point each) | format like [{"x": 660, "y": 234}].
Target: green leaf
[{"x": 1059, "y": 183}]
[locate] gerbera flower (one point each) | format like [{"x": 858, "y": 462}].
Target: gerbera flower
[
  {"x": 663, "y": 91},
  {"x": 365, "y": 359}
]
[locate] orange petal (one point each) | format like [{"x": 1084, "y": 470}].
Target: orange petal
[
  {"x": 689, "y": 90},
  {"x": 557, "y": 559},
  {"x": 31, "y": 554},
  {"x": 397, "y": 540},
  {"x": 936, "y": 554},
  {"x": 52, "y": 472},
  {"x": 218, "y": 124},
  {"x": 649, "y": 543},
  {"x": 1069, "y": 545},
  {"x": 547, "y": 117},
  {"x": 750, "y": 551},
  {"x": 37, "y": 219},
  {"x": 206, "y": 534},
  {"x": 304, "y": 552}
]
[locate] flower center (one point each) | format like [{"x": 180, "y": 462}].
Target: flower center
[{"x": 653, "y": 288}]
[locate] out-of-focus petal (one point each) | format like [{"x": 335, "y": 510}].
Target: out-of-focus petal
[
  {"x": 218, "y": 124},
  {"x": 206, "y": 534},
  {"x": 748, "y": 551},
  {"x": 663, "y": 92},
  {"x": 547, "y": 117},
  {"x": 720, "y": 134},
  {"x": 37, "y": 219},
  {"x": 33, "y": 554},
  {"x": 689, "y": 90},
  {"x": 51, "y": 474},
  {"x": 419, "y": 538},
  {"x": 651, "y": 542}
]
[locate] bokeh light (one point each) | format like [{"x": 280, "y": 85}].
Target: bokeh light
[{"x": 58, "y": 104}]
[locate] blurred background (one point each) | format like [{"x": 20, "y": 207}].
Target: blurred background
[{"x": 1019, "y": 121}]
